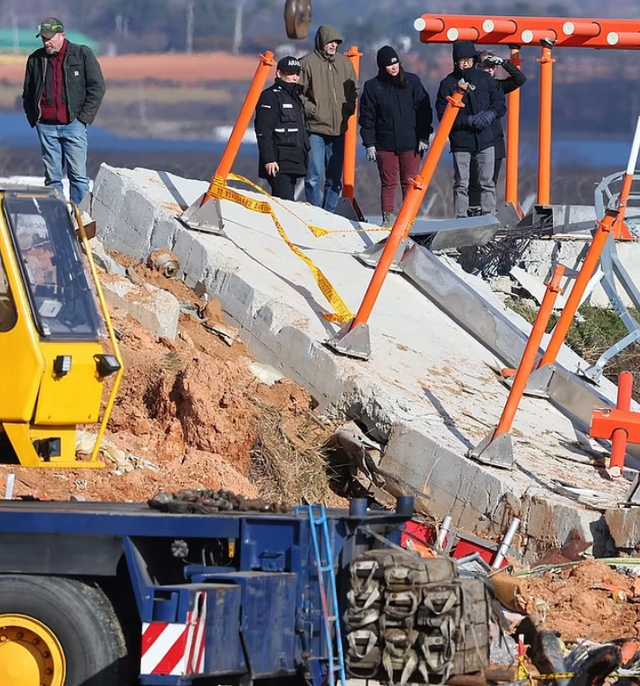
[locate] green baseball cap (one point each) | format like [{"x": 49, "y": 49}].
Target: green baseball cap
[{"x": 49, "y": 27}]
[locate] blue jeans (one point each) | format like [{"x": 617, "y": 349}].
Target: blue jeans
[
  {"x": 326, "y": 157},
  {"x": 65, "y": 144}
]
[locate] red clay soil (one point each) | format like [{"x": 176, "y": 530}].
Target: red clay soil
[
  {"x": 192, "y": 70},
  {"x": 569, "y": 603},
  {"x": 184, "y": 409}
]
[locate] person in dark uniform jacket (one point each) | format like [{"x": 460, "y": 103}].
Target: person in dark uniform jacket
[
  {"x": 280, "y": 129},
  {"x": 489, "y": 62}
]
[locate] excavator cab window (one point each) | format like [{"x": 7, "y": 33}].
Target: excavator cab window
[
  {"x": 60, "y": 292},
  {"x": 8, "y": 312}
]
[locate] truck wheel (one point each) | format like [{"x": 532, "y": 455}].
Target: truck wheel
[{"x": 58, "y": 632}]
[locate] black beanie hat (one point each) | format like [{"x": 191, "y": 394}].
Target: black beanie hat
[{"x": 386, "y": 57}]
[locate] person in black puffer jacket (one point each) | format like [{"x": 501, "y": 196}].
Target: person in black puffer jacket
[
  {"x": 283, "y": 141},
  {"x": 489, "y": 62},
  {"x": 395, "y": 126},
  {"x": 472, "y": 137}
]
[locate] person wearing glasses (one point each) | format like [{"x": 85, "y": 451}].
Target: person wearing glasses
[
  {"x": 63, "y": 90},
  {"x": 472, "y": 137},
  {"x": 489, "y": 63}
]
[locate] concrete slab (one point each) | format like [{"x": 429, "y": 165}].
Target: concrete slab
[{"x": 429, "y": 389}]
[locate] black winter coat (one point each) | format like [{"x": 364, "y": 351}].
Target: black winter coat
[
  {"x": 280, "y": 130},
  {"x": 84, "y": 83},
  {"x": 392, "y": 118},
  {"x": 516, "y": 80},
  {"x": 487, "y": 95}
]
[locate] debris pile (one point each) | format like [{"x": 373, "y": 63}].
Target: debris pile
[{"x": 192, "y": 501}]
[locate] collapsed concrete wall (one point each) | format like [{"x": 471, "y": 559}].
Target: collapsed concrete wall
[{"x": 429, "y": 391}]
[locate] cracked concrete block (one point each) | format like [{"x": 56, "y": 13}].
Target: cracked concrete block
[
  {"x": 304, "y": 356},
  {"x": 157, "y": 310},
  {"x": 549, "y": 523},
  {"x": 454, "y": 485},
  {"x": 110, "y": 188},
  {"x": 165, "y": 233},
  {"x": 624, "y": 528},
  {"x": 195, "y": 268}
]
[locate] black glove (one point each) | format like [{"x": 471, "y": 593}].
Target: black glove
[{"x": 483, "y": 119}]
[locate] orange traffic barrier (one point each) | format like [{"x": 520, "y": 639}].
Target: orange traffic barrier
[
  {"x": 513, "y": 140},
  {"x": 242, "y": 123},
  {"x": 528, "y": 360},
  {"x": 620, "y": 436},
  {"x": 351, "y": 138},
  {"x": 573, "y": 302},
  {"x": 546, "y": 110},
  {"x": 410, "y": 207}
]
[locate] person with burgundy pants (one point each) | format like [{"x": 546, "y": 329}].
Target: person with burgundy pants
[{"x": 395, "y": 126}]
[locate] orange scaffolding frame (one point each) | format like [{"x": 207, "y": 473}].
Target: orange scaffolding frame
[{"x": 549, "y": 33}]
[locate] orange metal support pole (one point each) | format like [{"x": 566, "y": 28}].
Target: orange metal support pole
[
  {"x": 513, "y": 140},
  {"x": 351, "y": 138},
  {"x": 530, "y": 353},
  {"x": 573, "y": 302},
  {"x": 410, "y": 208},
  {"x": 544, "y": 142},
  {"x": 620, "y": 436},
  {"x": 243, "y": 121}
]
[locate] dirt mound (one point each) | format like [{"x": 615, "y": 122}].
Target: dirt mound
[
  {"x": 575, "y": 603},
  {"x": 191, "y": 414}
]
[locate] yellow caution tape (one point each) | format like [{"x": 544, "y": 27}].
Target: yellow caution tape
[
  {"x": 220, "y": 190},
  {"x": 562, "y": 675},
  {"x": 315, "y": 230}
]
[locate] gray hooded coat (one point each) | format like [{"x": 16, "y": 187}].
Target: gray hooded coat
[{"x": 329, "y": 86}]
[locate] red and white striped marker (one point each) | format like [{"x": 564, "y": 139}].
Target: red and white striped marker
[{"x": 176, "y": 649}]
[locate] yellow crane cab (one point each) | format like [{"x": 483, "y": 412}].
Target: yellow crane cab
[{"x": 57, "y": 345}]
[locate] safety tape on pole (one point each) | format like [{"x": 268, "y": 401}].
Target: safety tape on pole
[{"x": 343, "y": 314}]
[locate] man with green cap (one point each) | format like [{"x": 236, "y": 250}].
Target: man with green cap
[{"x": 63, "y": 90}]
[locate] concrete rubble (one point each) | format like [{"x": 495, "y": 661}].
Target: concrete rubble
[
  {"x": 156, "y": 309},
  {"x": 429, "y": 392}
]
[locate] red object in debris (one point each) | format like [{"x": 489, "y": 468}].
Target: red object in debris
[
  {"x": 487, "y": 552},
  {"x": 423, "y": 534}
]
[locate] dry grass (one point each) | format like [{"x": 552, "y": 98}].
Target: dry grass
[{"x": 288, "y": 464}]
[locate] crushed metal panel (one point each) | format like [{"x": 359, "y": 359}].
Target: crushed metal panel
[{"x": 464, "y": 305}]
